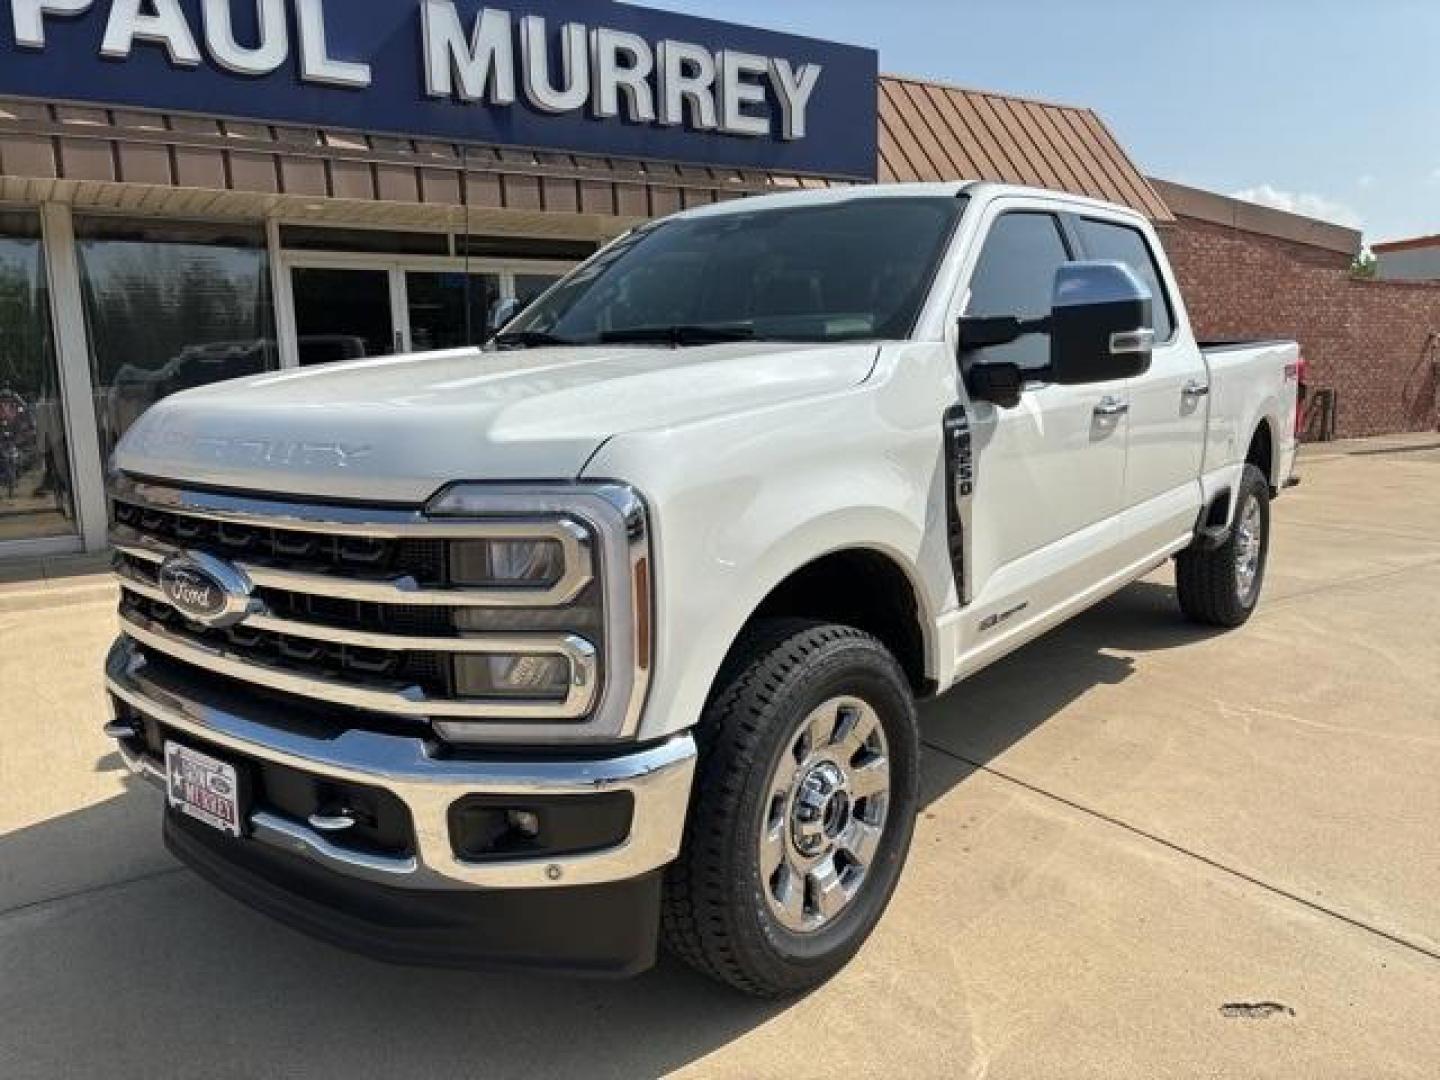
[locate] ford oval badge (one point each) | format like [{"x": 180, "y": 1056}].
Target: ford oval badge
[{"x": 205, "y": 589}]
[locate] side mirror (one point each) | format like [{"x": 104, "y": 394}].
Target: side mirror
[
  {"x": 501, "y": 312},
  {"x": 1101, "y": 324},
  {"x": 998, "y": 383}
]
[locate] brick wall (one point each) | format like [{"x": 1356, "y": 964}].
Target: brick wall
[{"x": 1370, "y": 341}]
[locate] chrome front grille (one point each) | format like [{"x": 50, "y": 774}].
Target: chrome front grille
[
  {"x": 332, "y": 553},
  {"x": 355, "y": 607}
]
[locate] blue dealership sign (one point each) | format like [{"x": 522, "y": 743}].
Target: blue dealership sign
[{"x": 592, "y": 77}]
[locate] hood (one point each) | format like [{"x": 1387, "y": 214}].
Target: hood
[{"x": 395, "y": 429}]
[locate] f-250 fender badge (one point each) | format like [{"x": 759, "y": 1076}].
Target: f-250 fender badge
[{"x": 990, "y": 622}]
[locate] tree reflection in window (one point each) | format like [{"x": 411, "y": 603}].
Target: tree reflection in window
[
  {"x": 169, "y": 307},
  {"x": 35, "y": 492}
]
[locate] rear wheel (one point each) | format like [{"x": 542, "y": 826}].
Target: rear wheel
[
  {"x": 803, "y": 810},
  {"x": 1220, "y": 587}
]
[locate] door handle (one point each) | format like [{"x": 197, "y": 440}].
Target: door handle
[
  {"x": 1196, "y": 388},
  {"x": 1111, "y": 406}
]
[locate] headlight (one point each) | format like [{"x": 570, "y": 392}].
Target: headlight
[
  {"x": 530, "y": 676},
  {"x": 506, "y": 562},
  {"x": 558, "y": 608}
]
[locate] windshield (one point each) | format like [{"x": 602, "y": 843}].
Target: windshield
[{"x": 845, "y": 271}]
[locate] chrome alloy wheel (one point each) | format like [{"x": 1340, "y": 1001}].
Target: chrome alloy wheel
[
  {"x": 1249, "y": 541},
  {"x": 828, "y": 800}
]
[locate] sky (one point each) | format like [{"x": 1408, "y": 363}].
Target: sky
[{"x": 1326, "y": 108}]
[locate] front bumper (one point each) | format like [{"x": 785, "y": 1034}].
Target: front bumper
[
  {"x": 594, "y": 930},
  {"x": 428, "y": 784}
]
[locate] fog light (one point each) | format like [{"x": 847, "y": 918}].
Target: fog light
[
  {"x": 506, "y": 562},
  {"x": 489, "y": 827},
  {"x": 532, "y": 676}
]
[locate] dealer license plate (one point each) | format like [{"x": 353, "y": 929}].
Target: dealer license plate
[{"x": 202, "y": 787}]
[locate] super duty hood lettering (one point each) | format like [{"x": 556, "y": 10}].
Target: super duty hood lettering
[{"x": 254, "y": 451}]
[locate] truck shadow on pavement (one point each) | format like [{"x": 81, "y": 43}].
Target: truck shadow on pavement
[
  {"x": 981, "y": 718},
  {"x": 116, "y": 962}
]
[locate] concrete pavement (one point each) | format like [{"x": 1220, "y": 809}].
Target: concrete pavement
[{"x": 1147, "y": 850}]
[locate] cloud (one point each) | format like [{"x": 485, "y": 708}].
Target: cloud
[
  {"x": 1366, "y": 181},
  {"x": 1301, "y": 202}
]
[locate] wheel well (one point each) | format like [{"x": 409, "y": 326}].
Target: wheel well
[
  {"x": 863, "y": 589},
  {"x": 1262, "y": 452}
]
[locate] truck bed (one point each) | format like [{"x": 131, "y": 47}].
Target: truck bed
[{"x": 1250, "y": 379}]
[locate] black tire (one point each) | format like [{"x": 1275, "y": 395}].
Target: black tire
[
  {"x": 1209, "y": 582},
  {"x": 715, "y": 915}
]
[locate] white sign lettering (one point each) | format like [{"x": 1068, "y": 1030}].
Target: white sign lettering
[
  {"x": 605, "y": 72},
  {"x": 315, "y": 63},
  {"x": 29, "y": 18},
  {"x": 540, "y": 88},
  {"x": 267, "y": 56},
  {"x": 483, "y": 65},
  {"x": 687, "y": 75},
  {"x": 166, "y": 27}
]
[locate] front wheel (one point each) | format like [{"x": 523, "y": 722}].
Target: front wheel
[
  {"x": 1221, "y": 587},
  {"x": 803, "y": 810}
]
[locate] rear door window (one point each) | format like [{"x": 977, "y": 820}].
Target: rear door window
[{"x": 1123, "y": 243}]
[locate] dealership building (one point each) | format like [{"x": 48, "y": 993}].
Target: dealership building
[{"x": 184, "y": 201}]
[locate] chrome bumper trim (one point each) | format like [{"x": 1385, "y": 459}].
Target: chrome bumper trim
[{"x": 658, "y": 778}]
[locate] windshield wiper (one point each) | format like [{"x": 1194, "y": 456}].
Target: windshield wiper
[
  {"x": 528, "y": 339},
  {"x": 679, "y": 335}
]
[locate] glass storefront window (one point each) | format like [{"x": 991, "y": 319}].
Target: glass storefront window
[
  {"x": 170, "y": 306},
  {"x": 35, "y": 494}
]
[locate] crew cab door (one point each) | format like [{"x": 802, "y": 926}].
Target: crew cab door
[
  {"x": 1169, "y": 404},
  {"x": 1049, "y": 474}
]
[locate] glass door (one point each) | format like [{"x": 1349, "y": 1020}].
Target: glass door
[
  {"x": 343, "y": 313},
  {"x": 443, "y": 314},
  {"x": 348, "y": 306}
]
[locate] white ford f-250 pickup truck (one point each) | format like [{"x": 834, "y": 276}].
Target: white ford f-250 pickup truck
[{"x": 611, "y": 632}]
